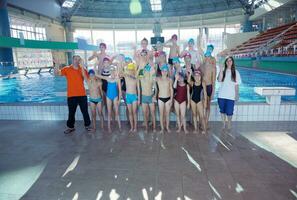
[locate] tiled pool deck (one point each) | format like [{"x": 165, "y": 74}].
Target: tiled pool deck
[
  {"x": 256, "y": 161},
  {"x": 59, "y": 111}
]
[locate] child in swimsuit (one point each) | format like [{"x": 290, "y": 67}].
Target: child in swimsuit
[
  {"x": 181, "y": 100},
  {"x": 95, "y": 98},
  {"x": 174, "y": 49},
  {"x": 198, "y": 99},
  {"x": 132, "y": 95},
  {"x": 165, "y": 96},
  {"x": 113, "y": 96}
]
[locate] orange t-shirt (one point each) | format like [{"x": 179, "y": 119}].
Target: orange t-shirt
[{"x": 75, "y": 81}]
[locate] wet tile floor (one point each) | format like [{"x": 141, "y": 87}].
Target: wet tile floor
[{"x": 256, "y": 161}]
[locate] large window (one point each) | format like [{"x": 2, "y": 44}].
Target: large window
[
  {"x": 28, "y": 31},
  {"x": 186, "y": 34},
  {"x": 167, "y": 33},
  {"x": 144, "y": 34},
  {"x": 124, "y": 41},
  {"x": 216, "y": 38},
  {"x": 103, "y": 36},
  {"x": 83, "y": 34}
]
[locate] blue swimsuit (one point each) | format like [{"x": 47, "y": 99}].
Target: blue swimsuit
[{"x": 112, "y": 90}]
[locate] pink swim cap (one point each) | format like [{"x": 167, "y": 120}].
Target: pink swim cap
[
  {"x": 174, "y": 36},
  {"x": 102, "y": 44}
]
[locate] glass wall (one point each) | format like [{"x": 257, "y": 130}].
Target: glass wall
[
  {"x": 105, "y": 36},
  {"x": 29, "y": 58},
  {"x": 186, "y": 34},
  {"x": 83, "y": 34},
  {"x": 144, "y": 34},
  {"x": 122, "y": 41},
  {"x": 29, "y": 32}
]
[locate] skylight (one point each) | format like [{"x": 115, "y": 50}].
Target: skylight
[
  {"x": 68, "y": 3},
  {"x": 156, "y": 5}
]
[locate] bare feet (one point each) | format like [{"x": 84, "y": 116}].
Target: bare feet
[
  {"x": 154, "y": 130},
  {"x": 186, "y": 132},
  {"x": 168, "y": 130},
  {"x": 178, "y": 130}
]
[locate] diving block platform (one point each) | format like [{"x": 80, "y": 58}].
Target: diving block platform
[{"x": 273, "y": 94}]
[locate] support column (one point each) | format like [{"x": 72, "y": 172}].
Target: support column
[
  {"x": 199, "y": 40},
  {"x": 206, "y": 30},
  {"x": 264, "y": 25},
  {"x": 224, "y": 36},
  {"x": 247, "y": 24},
  {"x": 69, "y": 38},
  {"x": 5, "y": 53}
]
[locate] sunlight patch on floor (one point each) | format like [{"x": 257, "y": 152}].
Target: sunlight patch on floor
[{"x": 279, "y": 143}]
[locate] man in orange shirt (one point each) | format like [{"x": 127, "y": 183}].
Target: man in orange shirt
[{"x": 76, "y": 93}]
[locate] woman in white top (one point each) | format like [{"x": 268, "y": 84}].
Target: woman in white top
[{"x": 230, "y": 80}]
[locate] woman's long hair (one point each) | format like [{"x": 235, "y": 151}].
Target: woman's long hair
[{"x": 233, "y": 71}]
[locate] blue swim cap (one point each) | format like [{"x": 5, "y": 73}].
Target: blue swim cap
[
  {"x": 210, "y": 46},
  {"x": 147, "y": 68},
  {"x": 191, "y": 40},
  {"x": 175, "y": 60},
  {"x": 164, "y": 67},
  {"x": 128, "y": 59},
  {"x": 91, "y": 71}
]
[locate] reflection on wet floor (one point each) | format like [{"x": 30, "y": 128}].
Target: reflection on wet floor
[{"x": 254, "y": 164}]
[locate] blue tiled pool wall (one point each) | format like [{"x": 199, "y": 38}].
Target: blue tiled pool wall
[{"x": 242, "y": 112}]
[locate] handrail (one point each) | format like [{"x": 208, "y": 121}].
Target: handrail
[{"x": 273, "y": 39}]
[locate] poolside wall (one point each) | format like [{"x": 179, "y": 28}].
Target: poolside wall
[
  {"x": 277, "y": 64},
  {"x": 243, "y": 112}
]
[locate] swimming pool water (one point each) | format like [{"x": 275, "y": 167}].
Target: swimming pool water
[{"x": 47, "y": 88}]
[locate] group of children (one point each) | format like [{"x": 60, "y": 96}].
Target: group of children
[{"x": 150, "y": 78}]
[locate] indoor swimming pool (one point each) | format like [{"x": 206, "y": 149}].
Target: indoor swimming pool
[{"x": 46, "y": 88}]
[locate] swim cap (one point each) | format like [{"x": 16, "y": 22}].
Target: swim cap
[
  {"x": 131, "y": 66},
  {"x": 164, "y": 67},
  {"x": 191, "y": 40},
  {"x": 102, "y": 44},
  {"x": 128, "y": 59},
  {"x": 174, "y": 36},
  {"x": 187, "y": 54},
  {"x": 147, "y": 68},
  {"x": 91, "y": 71},
  {"x": 210, "y": 46},
  {"x": 175, "y": 60}
]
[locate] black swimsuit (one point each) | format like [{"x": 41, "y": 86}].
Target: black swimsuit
[
  {"x": 164, "y": 99},
  {"x": 196, "y": 95}
]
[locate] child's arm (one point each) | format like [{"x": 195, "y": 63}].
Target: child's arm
[
  {"x": 102, "y": 77},
  {"x": 93, "y": 56},
  {"x": 167, "y": 44},
  {"x": 188, "y": 95},
  {"x": 171, "y": 90},
  {"x": 175, "y": 81},
  {"x": 178, "y": 52},
  {"x": 204, "y": 94},
  {"x": 120, "y": 90},
  {"x": 138, "y": 91}
]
